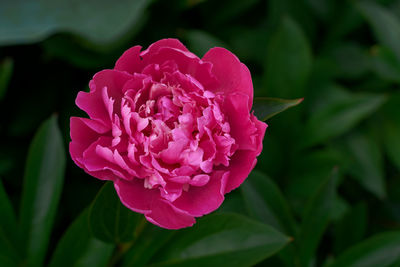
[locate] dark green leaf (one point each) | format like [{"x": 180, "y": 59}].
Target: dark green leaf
[
  {"x": 266, "y": 203},
  {"x": 317, "y": 216},
  {"x": 44, "y": 176},
  {"x": 78, "y": 248},
  {"x": 339, "y": 116},
  {"x": 385, "y": 25},
  {"x": 351, "y": 229},
  {"x": 109, "y": 220},
  {"x": 149, "y": 241},
  {"x": 385, "y": 64},
  {"x": 391, "y": 130},
  {"x": 289, "y": 61},
  {"x": 6, "y": 68},
  {"x": 222, "y": 240},
  {"x": 368, "y": 163},
  {"x": 380, "y": 250},
  {"x": 9, "y": 249},
  {"x": 31, "y": 21},
  {"x": 267, "y": 107}
]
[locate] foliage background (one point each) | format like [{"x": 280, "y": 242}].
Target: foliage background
[{"x": 328, "y": 176}]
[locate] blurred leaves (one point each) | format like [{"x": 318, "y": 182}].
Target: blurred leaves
[
  {"x": 316, "y": 218},
  {"x": 31, "y": 21},
  {"x": 6, "y": 68},
  {"x": 335, "y": 116},
  {"x": 43, "y": 181},
  {"x": 379, "y": 250},
  {"x": 266, "y": 203},
  {"x": 288, "y": 61},
  {"x": 9, "y": 241},
  {"x": 78, "y": 248}
]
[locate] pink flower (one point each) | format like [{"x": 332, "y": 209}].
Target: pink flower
[{"x": 172, "y": 131}]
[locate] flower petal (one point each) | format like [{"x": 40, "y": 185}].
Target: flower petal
[
  {"x": 167, "y": 216},
  {"x": 198, "y": 201},
  {"x": 233, "y": 75}
]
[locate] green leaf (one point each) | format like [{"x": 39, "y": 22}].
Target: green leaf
[
  {"x": 351, "y": 228},
  {"x": 266, "y": 203},
  {"x": 288, "y": 64},
  {"x": 9, "y": 249},
  {"x": 44, "y": 176},
  {"x": 385, "y": 25},
  {"x": 149, "y": 241},
  {"x": 380, "y": 250},
  {"x": 267, "y": 107},
  {"x": 339, "y": 116},
  {"x": 32, "y": 21},
  {"x": 78, "y": 248},
  {"x": 367, "y": 167},
  {"x": 222, "y": 240},
  {"x": 317, "y": 216},
  {"x": 109, "y": 220},
  {"x": 6, "y": 69}
]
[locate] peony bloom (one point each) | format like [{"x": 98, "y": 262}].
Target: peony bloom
[{"x": 172, "y": 131}]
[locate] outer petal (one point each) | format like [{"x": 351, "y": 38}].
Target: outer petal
[
  {"x": 243, "y": 129},
  {"x": 135, "y": 196},
  {"x": 92, "y": 103},
  {"x": 130, "y": 61},
  {"x": 83, "y": 133},
  {"x": 205, "y": 199},
  {"x": 169, "y": 42},
  {"x": 147, "y": 201},
  {"x": 188, "y": 63},
  {"x": 233, "y": 75},
  {"x": 243, "y": 161},
  {"x": 167, "y": 216}
]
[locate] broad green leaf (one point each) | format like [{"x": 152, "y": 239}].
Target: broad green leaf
[
  {"x": 380, "y": 250},
  {"x": 317, "y": 216},
  {"x": 109, "y": 220},
  {"x": 266, "y": 203},
  {"x": 78, "y": 248},
  {"x": 149, "y": 241},
  {"x": 9, "y": 245},
  {"x": 99, "y": 21},
  {"x": 339, "y": 116},
  {"x": 222, "y": 240},
  {"x": 267, "y": 107},
  {"x": 43, "y": 181},
  {"x": 351, "y": 228},
  {"x": 367, "y": 167},
  {"x": 386, "y": 26},
  {"x": 6, "y": 69},
  {"x": 288, "y": 62}
]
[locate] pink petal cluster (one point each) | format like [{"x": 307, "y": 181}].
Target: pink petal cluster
[{"x": 172, "y": 131}]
